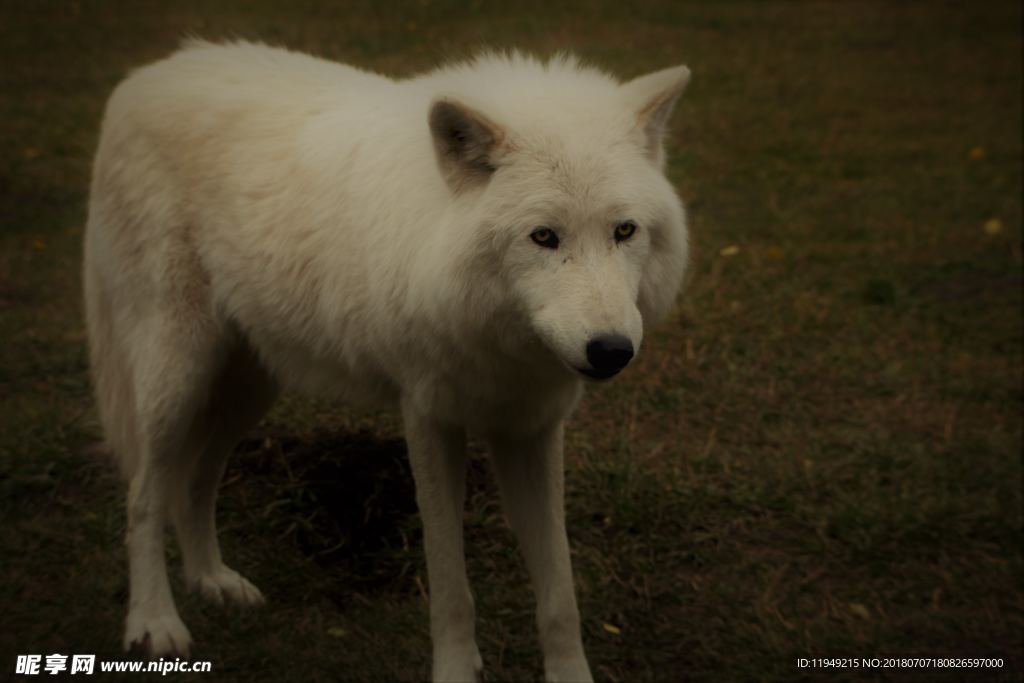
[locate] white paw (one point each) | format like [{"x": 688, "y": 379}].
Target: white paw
[
  {"x": 159, "y": 635},
  {"x": 224, "y": 584},
  {"x": 462, "y": 667},
  {"x": 572, "y": 669}
]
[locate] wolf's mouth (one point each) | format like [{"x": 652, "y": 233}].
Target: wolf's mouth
[{"x": 598, "y": 374}]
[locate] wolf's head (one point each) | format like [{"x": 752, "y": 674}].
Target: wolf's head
[{"x": 561, "y": 169}]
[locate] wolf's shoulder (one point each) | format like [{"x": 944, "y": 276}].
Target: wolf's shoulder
[{"x": 242, "y": 66}]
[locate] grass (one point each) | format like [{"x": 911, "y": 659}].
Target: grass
[{"x": 819, "y": 455}]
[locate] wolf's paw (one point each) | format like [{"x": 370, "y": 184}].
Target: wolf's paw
[
  {"x": 465, "y": 666},
  {"x": 569, "y": 669},
  {"x": 161, "y": 635},
  {"x": 225, "y": 584}
]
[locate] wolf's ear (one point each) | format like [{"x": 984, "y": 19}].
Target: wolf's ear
[
  {"x": 466, "y": 142},
  {"x": 653, "y": 97}
]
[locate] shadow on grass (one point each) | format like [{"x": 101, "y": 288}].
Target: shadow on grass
[{"x": 346, "y": 501}]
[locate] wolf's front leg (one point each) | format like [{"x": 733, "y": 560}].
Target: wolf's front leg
[
  {"x": 530, "y": 475},
  {"x": 438, "y": 456}
]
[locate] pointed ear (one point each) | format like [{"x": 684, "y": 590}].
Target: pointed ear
[
  {"x": 466, "y": 143},
  {"x": 653, "y": 97}
]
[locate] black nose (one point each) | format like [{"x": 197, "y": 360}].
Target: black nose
[{"x": 608, "y": 354}]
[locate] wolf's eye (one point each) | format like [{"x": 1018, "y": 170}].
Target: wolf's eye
[
  {"x": 623, "y": 231},
  {"x": 545, "y": 237}
]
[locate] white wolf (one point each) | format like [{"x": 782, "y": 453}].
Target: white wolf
[{"x": 466, "y": 245}]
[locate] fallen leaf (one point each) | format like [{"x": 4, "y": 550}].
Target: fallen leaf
[
  {"x": 612, "y": 629},
  {"x": 337, "y": 632},
  {"x": 993, "y": 226},
  {"x": 976, "y": 153},
  {"x": 730, "y": 250},
  {"x": 860, "y": 610},
  {"x": 39, "y": 244}
]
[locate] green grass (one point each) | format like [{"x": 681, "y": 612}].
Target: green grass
[{"x": 819, "y": 455}]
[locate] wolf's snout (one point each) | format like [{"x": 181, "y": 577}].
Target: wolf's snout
[{"x": 608, "y": 354}]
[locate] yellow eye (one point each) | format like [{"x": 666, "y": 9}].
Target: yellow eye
[
  {"x": 623, "y": 231},
  {"x": 545, "y": 237}
]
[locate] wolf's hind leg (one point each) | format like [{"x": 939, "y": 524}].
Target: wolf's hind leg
[
  {"x": 171, "y": 372},
  {"x": 240, "y": 395}
]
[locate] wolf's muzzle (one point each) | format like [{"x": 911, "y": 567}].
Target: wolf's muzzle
[{"x": 607, "y": 354}]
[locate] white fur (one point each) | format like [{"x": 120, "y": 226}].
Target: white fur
[{"x": 264, "y": 220}]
